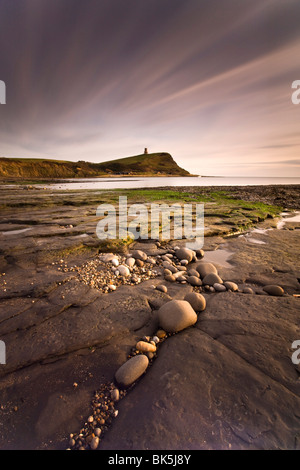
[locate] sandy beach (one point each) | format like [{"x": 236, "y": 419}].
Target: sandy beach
[{"x": 69, "y": 323}]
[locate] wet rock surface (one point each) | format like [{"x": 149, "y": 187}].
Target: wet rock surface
[{"x": 225, "y": 382}]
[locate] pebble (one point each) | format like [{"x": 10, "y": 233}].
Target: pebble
[
  {"x": 72, "y": 443},
  {"x": 178, "y": 274},
  {"x": 139, "y": 254},
  {"x": 211, "y": 279},
  {"x": 94, "y": 443},
  {"x": 185, "y": 254},
  {"x": 170, "y": 278},
  {"x": 199, "y": 254},
  {"x": 248, "y": 290},
  {"x": 194, "y": 281},
  {"x": 196, "y": 300},
  {"x": 206, "y": 268},
  {"x": 115, "y": 394},
  {"x": 155, "y": 339},
  {"x": 131, "y": 370},
  {"x": 106, "y": 258},
  {"x": 176, "y": 315},
  {"x": 139, "y": 263},
  {"x": 170, "y": 267},
  {"x": 123, "y": 270},
  {"x": 231, "y": 286},
  {"x": 130, "y": 262},
  {"x": 184, "y": 262},
  {"x": 115, "y": 262},
  {"x": 162, "y": 288},
  {"x": 193, "y": 272},
  {"x": 142, "y": 346},
  {"x": 219, "y": 287},
  {"x": 274, "y": 290},
  {"x": 161, "y": 334}
]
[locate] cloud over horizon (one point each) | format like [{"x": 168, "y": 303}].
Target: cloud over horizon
[{"x": 207, "y": 81}]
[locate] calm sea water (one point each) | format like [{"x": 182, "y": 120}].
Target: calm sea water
[{"x": 155, "y": 182}]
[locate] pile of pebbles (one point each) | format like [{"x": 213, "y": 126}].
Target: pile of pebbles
[
  {"x": 173, "y": 317},
  {"x": 105, "y": 399},
  {"x": 103, "y": 412},
  {"x": 109, "y": 271}
]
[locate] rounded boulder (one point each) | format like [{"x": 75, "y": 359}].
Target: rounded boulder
[
  {"x": 231, "y": 286},
  {"x": 206, "y": 268},
  {"x": 274, "y": 290},
  {"x": 176, "y": 315},
  {"x": 143, "y": 346},
  {"x": 219, "y": 287},
  {"x": 131, "y": 370},
  {"x": 196, "y": 300},
  {"x": 211, "y": 279},
  {"x": 194, "y": 281},
  {"x": 185, "y": 254}
]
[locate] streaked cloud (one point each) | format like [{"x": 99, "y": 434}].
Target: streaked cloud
[{"x": 210, "y": 82}]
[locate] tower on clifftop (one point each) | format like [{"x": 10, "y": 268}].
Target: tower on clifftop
[{"x": 146, "y": 151}]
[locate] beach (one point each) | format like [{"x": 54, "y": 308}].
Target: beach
[{"x": 69, "y": 322}]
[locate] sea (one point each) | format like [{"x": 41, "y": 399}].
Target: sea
[{"x": 160, "y": 182}]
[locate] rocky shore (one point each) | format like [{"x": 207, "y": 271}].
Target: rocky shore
[{"x": 151, "y": 345}]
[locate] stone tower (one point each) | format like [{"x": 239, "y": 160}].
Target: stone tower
[{"x": 146, "y": 151}]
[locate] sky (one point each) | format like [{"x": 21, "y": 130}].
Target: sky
[{"x": 208, "y": 81}]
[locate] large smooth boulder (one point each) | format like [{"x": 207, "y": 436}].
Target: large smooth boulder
[
  {"x": 176, "y": 315},
  {"x": 131, "y": 370}
]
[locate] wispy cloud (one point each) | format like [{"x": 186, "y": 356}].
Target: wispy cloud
[{"x": 208, "y": 81}]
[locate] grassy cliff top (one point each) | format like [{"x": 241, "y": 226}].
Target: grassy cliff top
[{"x": 153, "y": 164}]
